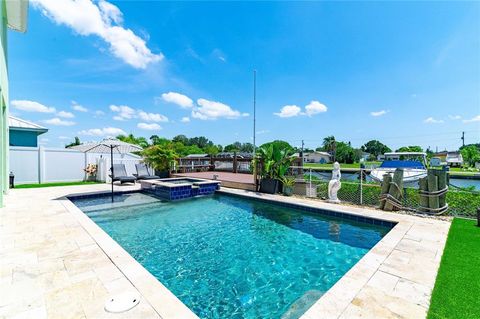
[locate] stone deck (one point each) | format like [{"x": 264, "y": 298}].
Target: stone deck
[{"x": 56, "y": 263}]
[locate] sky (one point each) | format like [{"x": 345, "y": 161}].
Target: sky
[{"x": 405, "y": 73}]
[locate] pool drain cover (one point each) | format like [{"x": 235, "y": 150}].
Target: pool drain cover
[{"x": 122, "y": 303}]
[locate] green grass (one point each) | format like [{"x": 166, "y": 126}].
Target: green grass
[
  {"x": 457, "y": 289},
  {"x": 54, "y": 184}
]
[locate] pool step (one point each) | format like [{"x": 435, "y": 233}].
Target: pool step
[{"x": 298, "y": 308}]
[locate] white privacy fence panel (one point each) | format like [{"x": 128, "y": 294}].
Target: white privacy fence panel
[
  {"x": 62, "y": 165},
  {"x": 24, "y": 163},
  {"x": 43, "y": 165}
]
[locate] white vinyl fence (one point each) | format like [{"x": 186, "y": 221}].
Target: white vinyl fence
[{"x": 43, "y": 165}]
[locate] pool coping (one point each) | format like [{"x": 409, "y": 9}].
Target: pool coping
[
  {"x": 347, "y": 296},
  {"x": 162, "y": 300},
  {"x": 335, "y": 303}
]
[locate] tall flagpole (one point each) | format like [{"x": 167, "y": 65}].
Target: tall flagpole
[{"x": 254, "y": 109}]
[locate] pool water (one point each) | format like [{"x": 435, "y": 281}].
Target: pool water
[
  {"x": 230, "y": 257},
  {"x": 182, "y": 181}
]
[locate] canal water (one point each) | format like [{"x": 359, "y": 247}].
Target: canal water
[{"x": 354, "y": 176}]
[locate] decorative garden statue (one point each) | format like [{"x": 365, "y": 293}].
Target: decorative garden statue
[{"x": 334, "y": 185}]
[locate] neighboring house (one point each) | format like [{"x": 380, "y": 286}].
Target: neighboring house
[
  {"x": 195, "y": 160},
  {"x": 231, "y": 154},
  {"x": 454, "y": 159},
  {"x": 450, "y": 158},
  {"x": 365, "y": 156},
  {"x": 13, "y": 15},
  {"x": 24, "y": 133},
  {"x": 441, "y": 155},
  {"x": 435, "y": 161},
  {"x": 317, "y": 157}
]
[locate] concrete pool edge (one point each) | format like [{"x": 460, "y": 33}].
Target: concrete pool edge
[
  {"x": 162, "y": 300},
  {"x": 346, "y": 296},
  {"x": 381, "y": 284}
]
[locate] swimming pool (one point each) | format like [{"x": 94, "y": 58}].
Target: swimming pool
[{"x": 231, "y": 257}]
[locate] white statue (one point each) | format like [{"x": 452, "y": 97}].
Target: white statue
[{"x": 334, "y": 185}]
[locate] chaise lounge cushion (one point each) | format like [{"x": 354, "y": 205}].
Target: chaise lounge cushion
[
  {"x": 120, "y": 174},
  {"x": 143, "y": 172}
]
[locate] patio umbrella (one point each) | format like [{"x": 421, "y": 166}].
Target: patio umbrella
[{"x": 108, "y": 145}]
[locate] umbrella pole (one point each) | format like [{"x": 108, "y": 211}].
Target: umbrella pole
[{"x": 111, "y": 168}]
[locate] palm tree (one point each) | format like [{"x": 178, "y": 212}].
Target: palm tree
[
  {"x": 330, "y": 145},
  {"x": 74, "y": 143},
  {"x": 130, "y": 138}
]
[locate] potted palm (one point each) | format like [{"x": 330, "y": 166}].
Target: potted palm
[
  {"x": 276, "y": 158},
  {"x": 160, "y": 157}
]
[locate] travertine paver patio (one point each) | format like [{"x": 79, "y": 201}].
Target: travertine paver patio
[
  {"x": 50, "y": 265},
  {"x": 56, "y": 263}
]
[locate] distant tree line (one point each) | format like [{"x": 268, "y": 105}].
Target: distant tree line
[{"x": 341, "y": 151}]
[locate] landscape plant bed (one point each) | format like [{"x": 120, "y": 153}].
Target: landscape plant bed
[
  {"x": 457, "y": 288},
  {"x": 56, "y": 184}
]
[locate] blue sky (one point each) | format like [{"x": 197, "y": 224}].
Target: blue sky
[{"x": 400, "y": 72}]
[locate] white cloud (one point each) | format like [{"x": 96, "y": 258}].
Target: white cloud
[
  {"x": 106, "y": 131},
  {"x": 124, "y": 112},
  {"x": 99, "y": 113},
  {"x": 57, "y": 121},
  {"x": 149, "y": 127},
  {"x": 31, "y": 106},
  {"x": 455, "y": 117},
  {"x": 63, "y": 137},
  {"x": 179, "y": 99},
  {"x": 67, "y": 115},
  {"x": 315, "y": 107},
  {"x": 211, "y": 110},
  {"x": 263, "y": 132},
  {"x": 102, "y": 19},
  {"x": 152, "y": 117},
  {"x": 78, "y": 107},
  {"x": 289, "y": 111},
  {"x": 378, "y": 113},
  {"x": 185, "y": 119},
  {"x": 431, "y": 120},
  {"x": 473, "y": 119},
  {"x": 217, "y": 53}
]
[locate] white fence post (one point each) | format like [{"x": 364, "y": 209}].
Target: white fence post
[{"x": 41, "y": 164}]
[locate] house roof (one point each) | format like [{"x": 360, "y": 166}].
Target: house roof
[
  {"x": 319, "y": 153},
  {"x": 23, "y": 125},
  {"x": 196, "y": 155}
]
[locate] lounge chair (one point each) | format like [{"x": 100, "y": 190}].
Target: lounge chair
[
  {"x": 120, "y": 174},
  {"x": 143, "y": 172}
]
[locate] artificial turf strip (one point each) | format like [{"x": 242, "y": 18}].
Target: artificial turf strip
[
  {"x": 457, "y": 289},
  {"x": 54, "y": 184}
]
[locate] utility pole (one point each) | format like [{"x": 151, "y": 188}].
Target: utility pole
[
  {"x": 254, "y": 109},
  {"x": 463, "y": 139}
]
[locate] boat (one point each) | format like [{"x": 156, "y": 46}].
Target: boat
[{"x": 414, "y": 165}]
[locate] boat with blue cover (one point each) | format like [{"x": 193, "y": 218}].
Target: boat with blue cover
[{"x": 414, "y": 165}]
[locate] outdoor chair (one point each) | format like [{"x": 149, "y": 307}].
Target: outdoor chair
[
  {"x": 143, "y": 172},
  {"x": 120, "y": 174}
]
